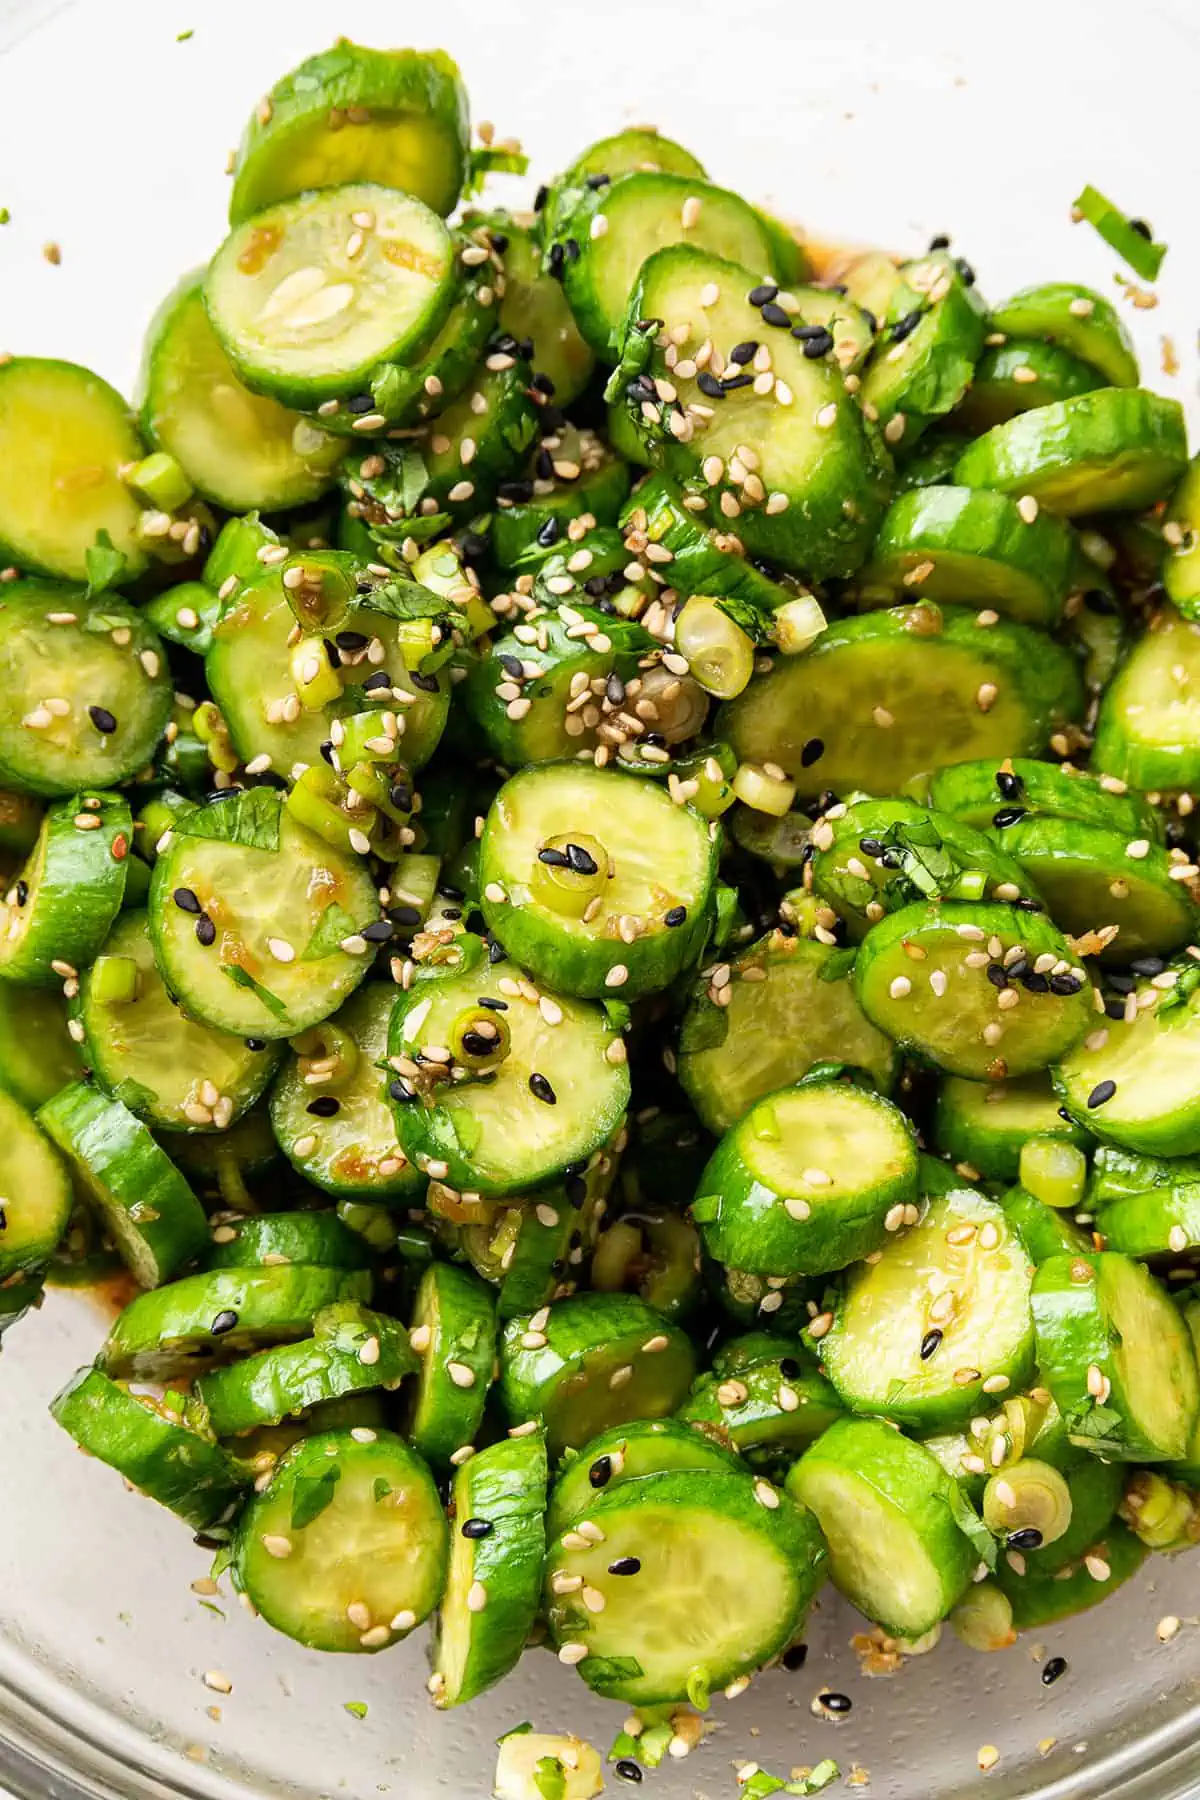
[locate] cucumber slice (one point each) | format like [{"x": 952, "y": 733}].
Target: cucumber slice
[
  {"x": 38, "y": 1055},
  {"x": 57, "y": 913},
  {"x": 494, "y": 1581},
  {"x": 812, "y": 1179},
  {"x": 534, "y": 306},
  {"x": 946, "y": 1007},
  {"x": 959, "y": 1278},
  {"x": 169, "y": 1334},
  {"x": 1119, "y": 1173},
  {"x": 878, "y": 855},
  {"x": 163, "y": 1447},
  {"x": 454, "y": 1320},
  {"x": 640, "y": 148},
  {"x": 347, "y": 1547},
  {"x": 1181, "y": 530},
  {"x": 976, "y": 791},
  {"x": 931, "y": 337},
  {"x": 537, "y": 884},
  {"x": 723, "y": 1570},
  {"x": 852, "y": 327},
  {"x": 261, "y": 1239},
  {"x": 785, "y": 1014},
  {"x": 169, "y": 1069},
  {"x": 831, "y": 476},
  {"x": 1137, "y": 1084},
  {"x": 240, "y": 450},
  {"x": 887, "y": 1509},
  {"x": 279, "y": 901},
  {"x": 397, "y": 117},
  {"x": 35, "y": 1199},
  {"x": 1044, "y": 1231},
  {"x": 218, "y": 1161},
  {"x": 1038, "y": 1601},
  {"x": 1115, "y": 1353},
  {"x": 351, "y": 1350},
  {"x": 1090, "y": 877},
  {"x": 497, "y": 1135},
  {"x": 65, "y": 435},
  {"x": 643, "y": 212},
  {"x": 340, "y": 1134},
  {"x": 1015, "y": 377},
  {"x": 307, "y": 298},
  {"x": 627, "y": 1453},
  {"x": 1079, "y": 319},
  {"x": 144, "y": 1203},
  {"x": 1114, "y": 450},
  {"x": 1162, "y": 1223},
  {"x": 892, "y": 695},
  {"x": 767, "y": 1411},
  {"x": 961, "y": 543},
  {"x": 597, "y": 1360},
  {"x": 1148, "y": 727},
  {"x": 522, "y": 528},
  {"x": 497, "y": 416},
  {"x": 96, "y": 657},
  {"x": 985, "y": 1124}
]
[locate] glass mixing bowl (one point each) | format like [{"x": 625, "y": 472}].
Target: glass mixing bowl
[{"x": 873, "y": 122}]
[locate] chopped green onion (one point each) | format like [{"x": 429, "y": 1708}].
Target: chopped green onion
[{"x": 1128, "y": 237}]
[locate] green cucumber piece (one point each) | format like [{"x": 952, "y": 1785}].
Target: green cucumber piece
[
  {"x": 628, "y": 1453},
  {"x": 94, "y": 656},
  {"x": 724, "y": 1569},
  {"x": 931, "y": 462},
  {"x": 967, "y": 544},
  {"x": 185, "y": 615},
  {"x": 786, "y": 1013},
  {"x": 219, "y": 1161},
  {"x": 641, "y": 147},
  {"x": 1015, "y": 377},
  {"x": 1118, "y": 1173},
  {"x": 65, "y": 435},
  {"x": 1114, "y": 450},
  {"x": 521, "y": 528},
  {"x": 1079, "y": 319},
  {"x": 969, "y": 1296},
  {"x": 929, "y": 342},
  {"x": 57, "y": 913},
  {"x": 260, "y": 1239},
  {"x": 564, "y": 1375},
  {"x": 397, "y": 117},
  {"x": 1137, "y": 1084},
  {"x": 852, "y": 327},
  {"x": 887, "y": 1509},
  {"x": 1181, "y": 531},
  {"x": 307, "y": 299},
  {"x": 1041, "y": 1600},
  {"x": 454, "y": 1324},
  {"x": 498, "y": 418},
  {"x": 496, "y": 1135},
  {"x": 1043, "y": 1229},
  {"x": 1164, "y": 1223},
  {"x": 144, "y": 1203},
  {"x": 163, "y": 1447},
  {"x": 1148, "y": 727},
  {"x": 976, "y": 791},
  {"x": 661, "y": 860},
  {"x": 765, "y": 1411},
  {"x": 535, "y": 306},
  {"x": 346, "y": 1549},
  {"x": 985, "y": 1124},
  {"x": 171, "y": 1070},
  {"x": 351, "y": 1351},
  {"x": 813, "y": 1178},
  {"x": 168, "y": 1334},
  {"x": 38, "y": 1055},
  {"x": 36, "y": 1202},
  {"x": 1114, "y": 1351},
  {"x": 340, "y": 1135},
  {"x": 890, "y": 695},
  {"x": 494, "y": 1581},
  {"x": 945, "y": 1008}
]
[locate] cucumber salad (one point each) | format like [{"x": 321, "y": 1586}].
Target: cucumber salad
[{"x": 602, "y": 916}]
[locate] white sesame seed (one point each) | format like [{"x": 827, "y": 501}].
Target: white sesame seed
[
  {"x": 598, "y": 226},
  {"x": 827, "y": 415},
  {"x": 1139, "y": 848},
  {"x": 276, "y": 1545},
  {"x": 894, "y": 430},
  {"x": 766, "y": 1495},
  {"x": 572, "y": 1654},
  {"x": 460, "y": 1374},
  {"x": 1027, "y": 506},
  {"x": 900, "y": 987},
  {"x": 477, "y": 1597},
  {"x": 281, "y": 950}
]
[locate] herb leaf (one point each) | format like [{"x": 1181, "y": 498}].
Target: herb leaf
[
  {"x": 248, "y": 817},
  {"x": 550, "y": 1778},
  {"x": 105, "y": 565},
  {"x": 334, "y": 924},
  {"x": 972, "y": 1526},
  {"x": 311, "y": 1494},
  {"x": 244, "y": 979}
]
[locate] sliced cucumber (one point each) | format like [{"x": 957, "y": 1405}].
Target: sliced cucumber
[
  {"x": 887, "y": 1509},
  {"x": 351, "y": 1351},
  {"x": 640, "y": 148},
  {"x": 766, "y": 1411},
  {"x": 35, "y": 1199},
  {"x": 308, "y": 295},
  {"x": 722, "y": 1569},
  {"x": 494, "y": 1581},
  {"x": 56, "y": 915},
  {"x": 197, "y": 1323},
  {"x": 895, "y": 694},
  {"x": 918, "y": 1335},
  {"x": 494, "y": 1130},
  {"x": 169, "y": 1069},
  {"x": 1137, "y": 1084},
  {"x": 397, "y": 117},
  {"x": 164, "y": 1446},
  {"x": 260, "y": 1239},
  {"x": 530, "y": 1760},
  {"x": 38, "y": 1055},
  {"x": 240, "y": 450},
  {"x": 627, "y": 1453},
  {"x": 454, "y": 1322},
  {"x": 65, "y": 436},
  {"x": 522, "y": 527},
  {"x": 541, "y": 867},
  {"x": 95, "y": 658},
  {"x": 1095, "y": 1488},
  {"x": 534, "y": 306},
  {"x": 144, "y": 1203},
  {"x": 1115, "y": 1353},
  {"x": 1148, "y": 728},
  {"x": 976, "y": 791},
  {"x": 931, "y": 337},
  {"x": 1181, "y": 529},
  {"x": 1162, "y": 1223},
  {"x": 1116, "y": 449},
  {"x": 1015, "y": 377},
  {"x": 1038, "y": 1601},
  {"x": 985, "y": 1124},
  {"x": 784, "y": 1015},
  {"x": 961, "y": 543},
  {"x": 598, "y": 1360},
  {"x": 346, "y": 1549},
  {"x": 1077, "y": 318},
  {"x": 813, "y": 1178},
  {"x": 495, "y": 415},
  {"x": 1119, "y": 1173},
  {"x": 1044, "y": 1231}
]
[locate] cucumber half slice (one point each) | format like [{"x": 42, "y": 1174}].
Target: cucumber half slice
[
  {"x": 36, "y": 1195},
  {"x": 351, "y": 1351},
  {"x": 976, "y": 791},
  {"x": 627, "y": 1453},
  {"x": 1017, "y": 376},
  {"x": 37, "y": 1053},
  {"x": 55, "y": 916},
  {"x": 986, "y": 1123},
  {"x": 454, "y": 1321},
  {"x": 1079, "y": 319},
  {"x": 1137, "y": 1083},
  {"x": 1148, "y": 727}
]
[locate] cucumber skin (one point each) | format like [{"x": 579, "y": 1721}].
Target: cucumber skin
[
  {"x": 910, "y": 1478},
  {"x": 180, "y": 1468},
  {"x": 1044, "y": 1600},
  {"x": 1097, "y": 337},
  {"x": 1157, "y": 762},
  {"x": 443, "y": 1417},
  {"x": 1044, "y": 1231},
  {"x": 1175, "y": 1133},
  {"x": 295, "y": 1237},
  {"x": 1181, "y": 563},
  {"x": 37, "y": 1056},
  {"x": 1141, "y": 1224},
  {"x": 964, "y": 1136},
  {"x": 994, "y": 396},
  {"x": 291, "y": 1378},
  {"x": 968, "y": 791},
  {"x": 1096, "y": 1490},
  {"x": 1073, "y": 1334},
  {"x": 80, "y": 888},
  {"x": 23, "y": 1266},
  {"x": 645, "y": 1447},
  {"x": 758, "y": 1427}
]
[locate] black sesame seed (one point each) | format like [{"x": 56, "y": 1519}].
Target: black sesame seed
[
  {"x": 1114, "y": 1009},
  {"x": 544, "y": 384},
  {"x": 512, "y": 664},
  {"x": 1008, "y": 815},
  {"x": 836, "y": 1703},
  {"x": 601, "y": 1472},
  {"x": 1010, "y": 785},
  {"x": 905, "y": 327},
  {"x": 102, "y": 719},
  {"x": 427, "y": 683},
  {"x": 708, "y": 384},
  {"x": 540, "y": 1088},
  {"x": 326, "y": 749},
  {"x": 1103, "y": 1090},
  {"x": 795, "y": 1657},
  {"x": 614, "y": 690},
  {"x": 380, "y": 930},
  {"x": 581, "y": 860},
  {"x": 452, "y": 912},
  {"x": 256, "y": 1043},
  {"x": 676, "y": 916},
  {"x": 811, "y": 751},
  {"x": 818, "y": 346},
  {"x": 374, "y": 682},
  {"x": 598, "y": 181},
  {"x": 361, "y": 403},
  {"x": 554, "y": 261},
  {"x": 350, "y": 640},
  {"x": 929, "y": 1343},
  {"x": 519, "y": 492},
  {"x": 325, "y": 1106},
  {"x": 965, "y": 271},
  {"x": 492, "y": 1004},
  {"x": 1028, "y": 1538},
  {"x": 224, "y": 1321},
  {"x": 1065, "y": 985},
  {"x": 1147, "y": 965},
  {"x": 775, "y": 315},
  {"x": 743, "y": 352},
  {"x": 997, "y": 974},
  {"x": 1054, "y": 1668},
  {"x": 1141, "y": 227},
  {"x": 474, "y": 546},
  {"x": 805, "y": 332},
  {"x": 553, "y": 859},
  {"x": 940, "y": 242},
  {"x": 871, "y": 846},
  {"x": 541, "y": 197},
  {"x": 546, "y": 537},
  {"x": 625, "y": 1565},
  {"x": 1029, "y": 906},
  {"x": 206, "y": 931},
  {"x": 1097, "y": 601},
  {"x": 1033, "y": 982},
  {"x": 730, "y": 383},
  {"x": 575, "y": 1188},
  {"x": 627, "y": 1769},
  {"x": 401, "y": 1091},
  {"x": 186, "y": 900},
  {"x": 495, "y": 951},
  {"x": 475, "y": 1044},
  {"x": 759, "y": 296},
  {"x": 499, "y": 241},
  {"x": 1064, "y": 1114},
  {"x": 400, "y": 796},
  {"x": 573, "y": 250},
  {"x": 477, "y": 1528}
]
